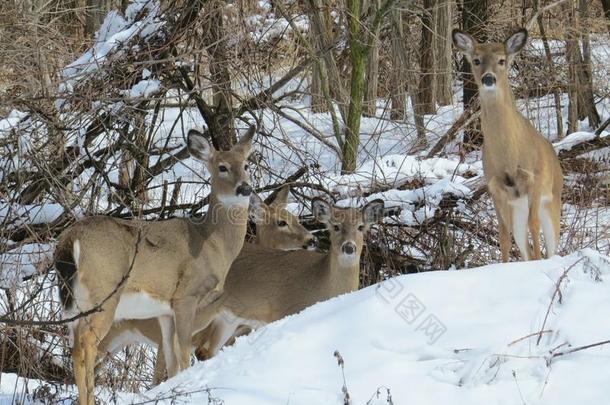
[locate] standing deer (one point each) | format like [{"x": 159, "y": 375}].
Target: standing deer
[
  {"x": 521, "y": 167},
  {"x": 164, "y": 270},
  {"x": 276, "y": 228}
]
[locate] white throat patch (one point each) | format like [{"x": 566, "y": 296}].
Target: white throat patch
[{"x": 234, "y": 200}]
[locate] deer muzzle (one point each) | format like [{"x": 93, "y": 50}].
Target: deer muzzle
[{"x": 244, "y": 189}]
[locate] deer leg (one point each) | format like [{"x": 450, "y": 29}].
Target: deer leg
[
  {"x": 503, "y": 211},
  {"x": 201, "y": 341},
  {"x": 550, "y": 213},
  {"x": 92, "y": 331},
  {"x": 78, "y": 360},
  {"x": 184, "y": 314},
  {"x": 520, "y": 217},
  {"x": 160, "y": 367},
  {"x": 166, "y": 349},
  {"x": 534, "y": 225}
]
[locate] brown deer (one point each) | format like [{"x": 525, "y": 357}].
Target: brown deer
[
  {"x": 265, "y": 285},
  {"x": 277, "y": 284},
  {"x": 276, "y": 228},
  {"x": 521, "y": 167},
  {"x": 163, "y": 270}
]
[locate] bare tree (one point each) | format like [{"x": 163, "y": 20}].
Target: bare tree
[
  {"x": 372, "y": 69},
  {"x": 427, "y": 84},
  {"x": 442, "y": 52},
  {"x": 475, "y": 15}
]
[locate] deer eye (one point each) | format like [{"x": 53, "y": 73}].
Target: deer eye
[
  {"x": 223, "y": 169},
  {"x": 336, "y": 227},
  {"x": 502, "y": 62},
  {"x": 477, "y": 62},
  {"x": 361, "y": 228},
  {"x": 246, "y": 167},
  {"x": 282, "y": 223}
]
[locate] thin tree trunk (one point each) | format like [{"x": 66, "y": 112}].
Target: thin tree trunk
[
  {"x": 552, "y": 73},
  {"x": 357, "y": 53},
  {"x": 372, "y": 70},
  {"x": 442, "y": 49},
  {"x": 606, "y": 7},
  {"x": 426, "y": 93},
  {"x": 572, "y": 56},
  {"x": 319, "y": 24},
  {"x": 223, "y": 133},
  {"x": 318, "y": 101},
  {"x": 398, "y": 93},
  {"x": 474, "y": 20},
  {"x": 587, "y": 101}
]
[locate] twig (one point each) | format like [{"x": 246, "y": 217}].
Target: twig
[
  {"x": 346, "y": 398},
  {"x": 579, "y": 348},
  {"x": 555, "y": 294}
]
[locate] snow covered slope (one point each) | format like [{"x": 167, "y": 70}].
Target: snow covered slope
[{"x": 453, "y": 337}]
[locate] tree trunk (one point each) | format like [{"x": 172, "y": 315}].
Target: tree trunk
[
  {"x": 398, "y": 94},
  {"x": 223, "y": 134},
  {"x": 573, "y": 59},
  {"x": 442, "y": 49},
  {"x": 318, "y": 101},
  {"x": 426, "y": 91},
  {"x": 320, "y": 23},
  {"x": 606, "y": 7},
  {"x": 372, "y": 70},
  {"x": 586, "y": 102},
  {"x": 357, "y": 54},
  {"x": 552, "y": 73},
  {"x": 474, "y": 20}
]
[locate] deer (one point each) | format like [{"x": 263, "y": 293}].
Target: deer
[
  {"x": 112, "y": 269},
  {"x": 520, "y": 166},
  {"x": 267, "y": 285},
  {"x": 276, "y": 228}
]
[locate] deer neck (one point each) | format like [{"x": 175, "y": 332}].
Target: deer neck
[
  {"x": 342, "y": 277},
  {"x": 227, "y": 224},
  {"x": 500, "y": 122}
]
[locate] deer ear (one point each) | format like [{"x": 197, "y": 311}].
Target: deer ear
[
  {"x": 245, "y": 143},
  {"x": 281, "y": 199},
  {"x": 256, "y": 209},
  {"x": 321, "y": 210},
  {"x": 463, "y": 41},
  {"x": 516, "y": 42},
  {"x": 198, "y": 146},
  {"x": 373, "y": 211}
]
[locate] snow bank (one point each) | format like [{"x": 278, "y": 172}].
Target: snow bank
[{"x": 454, "y": 337}]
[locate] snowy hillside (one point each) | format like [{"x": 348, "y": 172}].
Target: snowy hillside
[{"x": 453, "y": 337}]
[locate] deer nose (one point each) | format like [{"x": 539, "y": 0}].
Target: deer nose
[
  {"x": 488, "y": 79},
  {"x": 244, "y": 189},
  {"x": 311, "y": 244},
  {"x": 348, "y": 248}
]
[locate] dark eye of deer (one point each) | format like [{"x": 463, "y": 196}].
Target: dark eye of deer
[
  {"x": 337, "y": 227},
  {"x": 477, "y": 62},
  {"x": 223, "y": 169},
  {"x": 501, "y": 62},
  {"x": 246, "y": 167},
  {"x": 282, "y": 223},
  {"x": 361, "y": 228}
]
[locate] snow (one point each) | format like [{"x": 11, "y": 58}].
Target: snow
[
  {"x": 459, "y": 337},
  {"x": 443, "y": 337},
  {"x": 17, "y": 214},
  {"x": 23, "y": 261}
]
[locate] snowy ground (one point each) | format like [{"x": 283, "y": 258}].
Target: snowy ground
[{"x": 458, "y": 337}]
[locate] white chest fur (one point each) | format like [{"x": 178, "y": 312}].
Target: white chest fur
[{"x": 141, "y": 306}]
